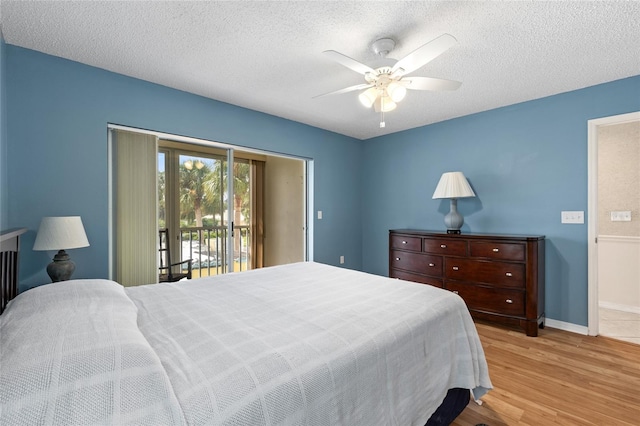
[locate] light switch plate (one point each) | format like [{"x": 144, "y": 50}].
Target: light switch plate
[
  {"x": 575, "y": 217},
  {"x": 621, "y": 216}
]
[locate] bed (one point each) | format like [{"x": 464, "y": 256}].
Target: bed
[{"x": 304, "y": 343}]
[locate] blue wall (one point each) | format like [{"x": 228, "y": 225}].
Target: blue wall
[
  {"x": 58, "y": 112},
  {"x": 526, "y": 162}
]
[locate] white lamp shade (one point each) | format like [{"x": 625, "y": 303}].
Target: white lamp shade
[
  {"x": 396, "y": 91},
  {"x": 60, "y": 233},
  {"x": 384, "y": 104},
  {"x": 453, "y": 185},
  {"x": 368, "y": 97}
]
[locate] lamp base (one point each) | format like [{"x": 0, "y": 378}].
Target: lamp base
[
  {"x": 61, "y": 268},
  {"x": 453, "y": 220}
]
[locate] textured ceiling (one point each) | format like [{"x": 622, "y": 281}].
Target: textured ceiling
[{"x": 267, "y": 55}]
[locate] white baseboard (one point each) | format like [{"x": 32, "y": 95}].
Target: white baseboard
[
  {"x": 566, "y": 326},
  {"x": 619, "y": 307}
]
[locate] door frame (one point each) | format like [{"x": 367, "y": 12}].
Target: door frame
[
  {"x": 592, "y": 201},
  {"x": 309, "y": 183}
]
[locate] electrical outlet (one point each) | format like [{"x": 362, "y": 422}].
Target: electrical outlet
[
  {"x": 341, "y": 260},
  {"x": 572, "y": 217}
]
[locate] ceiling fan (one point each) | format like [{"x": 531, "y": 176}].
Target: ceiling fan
[{"x": 387, "y": 83}]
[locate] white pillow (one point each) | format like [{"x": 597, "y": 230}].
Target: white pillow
[
  {"x": 66, "y": 295},
  {"x": 71, "y": 353}
]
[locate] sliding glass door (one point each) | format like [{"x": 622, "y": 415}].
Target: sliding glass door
[
  {"x": 208, "y": 215},
  {"x": 216, "y": 203}
]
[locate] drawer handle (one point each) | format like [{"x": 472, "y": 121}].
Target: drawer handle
[
  {"x": 495, "y": 250},
  {"x": 509, "y": 301},
  {"x": 455, "y": 268},
  {"x": 509, "y": 274},
  {"x": 455, "y": 291},
  {"x": 431, "y": 265},
  {"x": 443, "y": 246},
  {"x": 397, "y": 258},
  {"x": 404, "y": 242}
]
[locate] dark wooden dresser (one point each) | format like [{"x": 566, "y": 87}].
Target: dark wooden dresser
[{"x": 500, "y": 277}]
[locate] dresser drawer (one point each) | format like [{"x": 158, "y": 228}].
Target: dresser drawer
[
  {"x": 497, "y": 300},
  {"x": 499, "y": 251},
  {"x": 480, "y": 271},
  {"x": 500, "y": 277},
  {"x": 416, "y": 278},
  {"x": 444, "y": 246},
  {"x": 406, "y": 243},
  {"x": 416, "y": 262}
]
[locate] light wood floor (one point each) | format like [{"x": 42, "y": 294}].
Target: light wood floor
[{"x": 557, "y": 378}]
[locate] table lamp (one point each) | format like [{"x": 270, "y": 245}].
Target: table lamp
[
  {"x": 60, "y": 233},
  {"x": 453, "y": 185}
]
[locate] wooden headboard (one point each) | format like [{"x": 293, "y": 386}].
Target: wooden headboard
[{"x": 9, "y": 256}]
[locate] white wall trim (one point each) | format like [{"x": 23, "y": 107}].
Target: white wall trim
[
  {"x": 566, "y": 326},
  {"x": 309, "y": 176},
  {"x": 619, "y": 239},
  {"x": 205, "y": 142},
  {"x": 592, "y": 211},
  {"x": 619, "y": 307}
]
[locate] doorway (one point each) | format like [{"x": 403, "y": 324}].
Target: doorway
[
  {"x": 614, "y": 227},
  {"x": 215, "y": 204}
]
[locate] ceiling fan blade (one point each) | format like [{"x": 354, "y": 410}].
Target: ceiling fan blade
[
  {"x": 428, "y": 83},
  {"x": 425, "y": 53},
  {"x": 358, "y": 67},
  {"x": 346, "y": 89}
]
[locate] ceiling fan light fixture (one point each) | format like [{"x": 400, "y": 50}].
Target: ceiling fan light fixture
[
  {"x": 387, "y": 81},
  {"x": 388, "y": 104},
  {"x": 384, "y": 104},
  {"x": 396, "y": 91},
  {"x": 368, "y": 97}
]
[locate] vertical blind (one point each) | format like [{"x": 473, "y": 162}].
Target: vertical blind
[
  {"x": 257, "y": 213},
  {"x": 135, "y": 199}
]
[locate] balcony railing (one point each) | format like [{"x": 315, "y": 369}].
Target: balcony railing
[{"x": 207, "y": 247}]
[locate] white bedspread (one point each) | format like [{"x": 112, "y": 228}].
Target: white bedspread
[
  {"x": 310, "y": 344},
  {"x": 302, "y": 344}
]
